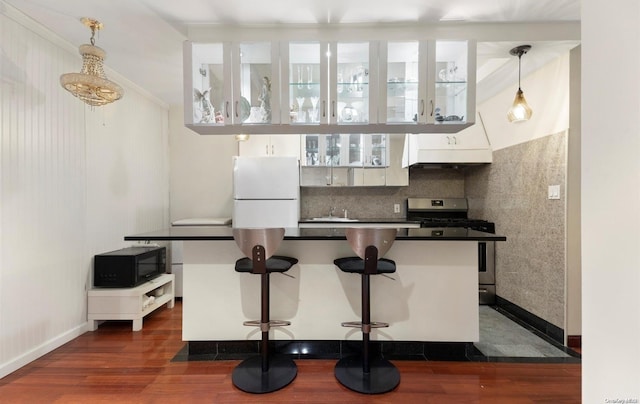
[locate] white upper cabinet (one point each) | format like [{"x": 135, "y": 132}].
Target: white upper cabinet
[
  {"x": 324, "y": 87},
  {"x": 454, "y": 83},
  {"x": 305, "y": 91},
  {"x": 208, "y": 91},
  {"x": 324, "y": 150},
  {"x": 231, "y": 86},
  {"x": 469, "y": 146},
  {"x": 428, "y": 83},
  {"x": 354, "y": 72},
  {"x": 345, "y": 150},
  {"x": 256, "y": 79},
  {"x": 270, "y": 145},
  {"x": 404, "y": 92}
]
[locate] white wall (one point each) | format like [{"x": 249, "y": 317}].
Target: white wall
[
  {"x": 74, "y": 182},
  {"x": 573, "y": 195},
  {"x": 610, "y": 201},
  {"x": 547, "y": 92},
  {"x": 201, "y": 171}
]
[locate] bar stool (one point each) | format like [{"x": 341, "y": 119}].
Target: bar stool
[
  {"x": 363, "y": 373},
  {"x": 266, "y": 372}
]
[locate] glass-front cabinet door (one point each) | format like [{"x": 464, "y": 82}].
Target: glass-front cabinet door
[
  {"x": 231, "y": 84},
  {"x": 306, "y": 91},
  {"x": 454, "y": 83},
  {"x": 256, "y": 83},
  {"x": 403, "y": 92},
  {"x": 310, "y": 151},
  {"x": 376, "y": 151},
  {"x": 352, "y": 81},
  {"x": 333, "y": 150},
  {"x": 208, "y": 84},
  {"x": 355, "y": 150},
  {"x": 322, "y": 150},
  {"x": 323, "y": 159},
  {"x": 317, "y": 86}
]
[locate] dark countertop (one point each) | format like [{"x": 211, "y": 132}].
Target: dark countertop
[
  {"x": 225, "y": 233},
  {"x": 374, "y": 220}
]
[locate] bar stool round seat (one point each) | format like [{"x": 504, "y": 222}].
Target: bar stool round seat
[
  {"x": 266, "y": 372},
  {"x": 364, "y": 373}
]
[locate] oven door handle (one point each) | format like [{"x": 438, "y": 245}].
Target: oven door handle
[{"x": 482, "y": 256}]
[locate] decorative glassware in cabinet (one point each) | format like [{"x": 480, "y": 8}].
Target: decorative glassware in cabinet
[
  {"x": 402, "y": 82},
  {"x": 451, "y": 82},
  {"x": 304, "y": 83},
  {"x": 258, "y": 85},
  {"x": 376, "y": 150},
  {"x": 333, "y": 149},
  {"x": 311, "y": 155},
  {"x": 210, "y": 93},
  {"x": 352, "y": 80},
  {"x": 355, "y": 150}
]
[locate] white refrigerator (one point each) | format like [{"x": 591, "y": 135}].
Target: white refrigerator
[{"x": 266, "y": 192}]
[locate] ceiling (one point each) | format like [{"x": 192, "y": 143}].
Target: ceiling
[{"x": 143, "y": 38}]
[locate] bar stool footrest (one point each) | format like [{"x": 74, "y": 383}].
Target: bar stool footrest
[
  {"x": 266, "y": 326},
  {"x": 358, "y": 324}
]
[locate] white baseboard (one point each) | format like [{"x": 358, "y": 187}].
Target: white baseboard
[{"x": 43, "y": 349}]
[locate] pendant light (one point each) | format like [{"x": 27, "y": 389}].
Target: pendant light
[
  {"x": 91, "y": 84},
  {"x": 520, "y": 111}
]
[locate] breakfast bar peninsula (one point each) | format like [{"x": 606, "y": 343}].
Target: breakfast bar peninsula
[{"x": 432, "y": 297}]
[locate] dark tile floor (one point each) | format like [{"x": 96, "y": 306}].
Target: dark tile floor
[{"x": 502, "y": 337}]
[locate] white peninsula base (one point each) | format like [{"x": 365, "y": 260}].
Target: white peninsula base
[{"x": 433, "y": 297}]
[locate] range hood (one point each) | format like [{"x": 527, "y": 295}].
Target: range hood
[{"x": 469, "y": 147}]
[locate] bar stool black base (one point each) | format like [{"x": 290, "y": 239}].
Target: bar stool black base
[
  {"x": 248, "y": 375},
  {"x": 382, "y": 378}
]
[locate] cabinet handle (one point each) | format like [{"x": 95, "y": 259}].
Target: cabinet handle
[
  {"x": 455, "y": 140},
  {"x": 226, "y": 108},
  {"x": 421, "y": 107},
  {"x": 266, "y": 149},
  {"x": 237, "y": 115},
  {"x": 448, "y": 140},
  {"x": 273, "y": 149},
  {"x": 333, "y": 109},
  {"x": 431, "y": 103},
  {"x": 324, "y": 108}
]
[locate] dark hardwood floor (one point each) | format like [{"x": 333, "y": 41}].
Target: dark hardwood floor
[{"x": 114, "y": 364}]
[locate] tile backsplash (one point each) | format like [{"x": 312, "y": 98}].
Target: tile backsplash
[{"x": 377, "y": 202}]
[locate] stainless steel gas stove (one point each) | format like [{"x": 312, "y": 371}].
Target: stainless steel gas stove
[{"x": 452, "y": 212}]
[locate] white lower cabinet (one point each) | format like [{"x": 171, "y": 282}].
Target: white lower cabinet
[{"x": 130, "y": 303}]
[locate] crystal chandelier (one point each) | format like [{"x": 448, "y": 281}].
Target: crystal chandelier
[
  {"x": 520, "y": 111},
  {"x": 91, "y": 84}
]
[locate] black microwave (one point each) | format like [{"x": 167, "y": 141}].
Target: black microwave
[{"x": 128, "y": 267}]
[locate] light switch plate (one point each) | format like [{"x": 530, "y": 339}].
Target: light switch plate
[
  {"x": 396, "y": 208},
  {"x": 554, "y": 191}
]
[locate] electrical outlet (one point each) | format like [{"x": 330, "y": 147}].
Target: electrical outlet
[{"x": 396, "y": 208}]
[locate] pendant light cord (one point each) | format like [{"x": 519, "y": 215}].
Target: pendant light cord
[{"x": 519, "y": 68}]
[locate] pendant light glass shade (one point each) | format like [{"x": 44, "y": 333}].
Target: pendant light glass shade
[
  {"x": 91, "y": 84},
  {"x": 520, "y": 111}
]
